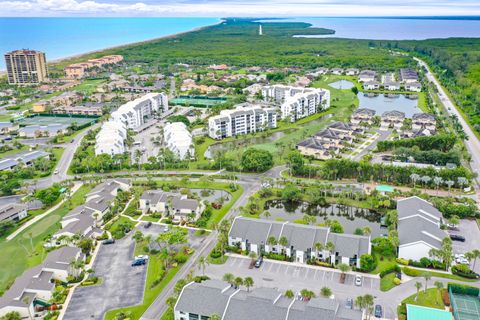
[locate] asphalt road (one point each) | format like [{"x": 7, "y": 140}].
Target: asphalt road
[
  {"x": 472, "y": 144},
  {"x": 122, "y": 286}
]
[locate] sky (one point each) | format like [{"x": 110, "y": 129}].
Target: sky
[{"x": 237, "y": 8}]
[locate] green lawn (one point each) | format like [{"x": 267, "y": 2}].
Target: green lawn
[
  {"x": 432, "y": 298},
  {"x": 386, "y": 283},
  {"x": 418, "y": 273},
  {"x": 14, "y": 151},
  {"x": 88, "y": 86},
  {"x": 26, "y": 249},
  {"x": 386, "y": 263}
]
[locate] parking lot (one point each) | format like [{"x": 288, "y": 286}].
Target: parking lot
[
  {"x": 122, "y": 285},
  {"x": 469, "y": 229}
]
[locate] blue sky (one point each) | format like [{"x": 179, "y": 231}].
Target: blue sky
[{"x": 221, "y": 8}]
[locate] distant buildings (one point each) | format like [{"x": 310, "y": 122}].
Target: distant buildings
[
  {"x": 78, "y": 70},
  {"x": 37, "y": 131},
  {"x": 392, "y": 119},
  {"x": 179, "y": 140},
  {"x": 362, "y": 115},
  {"x": 418, "y": 228},
  {"x": 297, "y": 102},
  {"x": 408, "y": 75},
  {"x": 132, "y": 115},
  {"x": 176, "y": 205},
  {"x": 367, "y": 76},
  {"x": 26, "y": 158},
  {"x": 253, "y": 234},
  {"x": 214, "y": 297},
  {"x": 26, "y": 67},
  {"x": 241, "y": 120}
]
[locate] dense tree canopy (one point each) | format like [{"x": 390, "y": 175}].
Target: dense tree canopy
[{"x": 256, "y": 160}]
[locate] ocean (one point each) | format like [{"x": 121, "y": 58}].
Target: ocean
[
  {"x": 64, "y": 37},
  {"x": 410, "y": 28}
]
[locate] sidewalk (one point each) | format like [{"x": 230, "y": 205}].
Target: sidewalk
[{"x": 41, "y": 216}]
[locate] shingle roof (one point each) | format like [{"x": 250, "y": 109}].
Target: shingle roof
[
  {"x": 349, "y": 245},
  {"x": 415, "y": 205}
]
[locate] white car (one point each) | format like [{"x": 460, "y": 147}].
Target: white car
[
  {"x": 56, "y": 171},
  {"x": 358, "y": 280},
  {"x": 462, "y": 261},
  {"x": 143, "y": 256}
]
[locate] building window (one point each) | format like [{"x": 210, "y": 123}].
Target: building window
[{"x": 192, "y": 316}]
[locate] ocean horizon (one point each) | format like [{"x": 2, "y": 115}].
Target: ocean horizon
[{"x": 65, "y": 37}]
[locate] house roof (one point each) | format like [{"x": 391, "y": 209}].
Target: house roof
[
  {"x": 349, "y": 245},
  {"x": 257, "y": 304},
  {"x": 423, "y": 116},
  {"x": 394, "y": 113},
  {"x": 10, "y": 210},
  {"x": 415, "y": 205},
  {"x": 364, "y": 111},
  {"x": 312, "y": 143},
  {"x": 179, "y": 203}
]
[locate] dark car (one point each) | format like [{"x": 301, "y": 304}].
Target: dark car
[
  {"x": 108, "y": 241},
  {"x": 456, "y": 237},
  {"x": 259, "y": 262},
  {"x": 378, "y": 311},
  {"x": 398, "y": 275},
  {"x": 138, "y": 262},
  {"x": 349, "y": 303},
  {"x": 147, "y": 225}
]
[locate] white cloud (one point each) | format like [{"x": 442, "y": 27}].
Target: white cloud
[{"x": 217, "y": 8}]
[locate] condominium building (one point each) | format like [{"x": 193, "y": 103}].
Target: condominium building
[
  {"x": 297, "y": 102},
  {"x": 26, "y": 67},
  {"x": 111, "y": 138},
  {"x": 241, "y": 120},
  {"x": 134, "y": 113},
  {"x": 179, "y": 140},
  {"x": 78, "y": 70}
]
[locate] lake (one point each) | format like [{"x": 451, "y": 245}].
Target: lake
[
  {"x": 64, "y": 37},
  {"x": 349, "y": 217},
  {"x": 393, "y": 28},
  {"x": 342, "y": 84},
  {"x": 381, "y": 103}
]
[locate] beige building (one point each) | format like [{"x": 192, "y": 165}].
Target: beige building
[
  {"x": 26, "y": 67},
  {"x": 78, "y": 70}
]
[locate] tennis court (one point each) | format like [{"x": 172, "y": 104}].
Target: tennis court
[
  {"x": 44, "y": 120},
  {"x": 196, "y": 101},
  {"x": 465, "y": 307}
]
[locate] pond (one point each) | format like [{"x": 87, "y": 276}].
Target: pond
[
  {"x": 349, "y": 217},
  {"x": 245, "y": 142},
  {"x": 342, "y": 84},
  {"x": 211, "y": 195},
  {"x": 388, "y": 102}
]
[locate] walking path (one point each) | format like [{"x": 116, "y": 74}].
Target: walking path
[{"x": 76, "y": 186}]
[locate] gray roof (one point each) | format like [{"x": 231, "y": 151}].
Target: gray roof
[
  {"x": 253, "y": 230},
  {"x": 349, "y": 245},
  {"x": 423, "y": 116},
  {"x": 212, "y": 296},
  {"x": 415, "y": 205},
  {"x": 206, "y": 298},
  {"x": 312, "y": 143},
  {"x": 394, "y": 113},
  {"x": 79, "y": 226},
  {"x": 417, "y": 228},
  {"x": 364, "y": 111},
  {"x": 184, "y": 204},
  {"x": 9, "y": 211},
  {"x": 7, "y": 164}
]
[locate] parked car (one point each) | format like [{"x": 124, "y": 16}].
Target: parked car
[
  {"x": 147, "y": 225},
  {"x": 166, "y": 229},
  {"x": 358, "y": 280},
  {"x": 141, "y": 257},
  {"x": 349, "y": 303},
  {"x": 259, "y": 262},
  {"x": 378, "y": 311},
  {"x": 456, "y": 237},
  {"x": 108, "y": 241},
  {"x": 138, "y": 262},
  {"x": 398, "y": 275},
  {"x": 56, "y": 171}
]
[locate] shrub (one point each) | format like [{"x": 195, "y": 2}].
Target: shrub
[
  {"x": 412, "y": 272},
  {"x": 180, "y": 257},
  {"x": 368, "y": 263},
  {"x": 277, "y": 256},
  {"x": 405, "y": 262},
  {"x": 464, "y": 271},
  {"x": 397, "y": 281},
  {"x": 215, "y": 254},
  {"x": 445, "y": 297},
  {"x": 324, "y": 264},
  {"x": 425, "y": 262},
  {"x": 200, "y": 278},
  {"x": 389, "y": 270}
]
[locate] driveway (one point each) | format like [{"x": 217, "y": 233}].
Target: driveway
[
  {"x": 469, "y": 229},
  {"x": 122, "y": 286},
  {"x": 284, "y": 276}
]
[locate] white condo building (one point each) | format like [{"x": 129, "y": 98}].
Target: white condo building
[
  {"x": 179, "y": 140},
  {"x": 297, "y": 102},
  {"x": 241, "y": 120},
  {"x": 132, "y": 115},
  {"x": 111, "y": 138}
]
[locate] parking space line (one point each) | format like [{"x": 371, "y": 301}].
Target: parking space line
[
  {"x": 286, "y": 270},
  {"x": 271, "y": 266}
]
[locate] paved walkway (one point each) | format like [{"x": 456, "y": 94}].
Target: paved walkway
[{"x": 76, "y": 186}]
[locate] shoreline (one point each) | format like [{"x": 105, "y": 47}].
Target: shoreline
[
  {"x": 75, "y": 56},
  {"x": 3, "y": 72}
]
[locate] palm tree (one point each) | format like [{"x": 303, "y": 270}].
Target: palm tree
[
  {"x": 343, "y": 267},
  {"x": 439, "y": 286},
  {"x": 289, "y": 294},
  {"x": 267, "y": 214},
  {"x": 202, "y": 264},
  {"x": 326, "y": 292},
  {"x": 418, "y": 286},
  {"x": 319, "y": 247},
  {"x": 228, "y": 277},
  {"x": 330, "y": 246},
  {"x": 283, "y": 241},
  {"x": 367, "y": 230},
  {"x": 215, "y": 317},
  {"x": 238, "y": 281},
  {"x": 427, "y": 276},
  {"x": 425, "y": 180},
  {"x": 475, "y": 254},
  {"x": 171, "y": 301},
  {"x": 248, "y": 282},
  {"x": 252, "y": 255},
  {"x": 271, "y": 241},
  {"x": 414, "y": 177},
  {"x": 449, "y": 183},
  {"x": 437, "y": 181}
]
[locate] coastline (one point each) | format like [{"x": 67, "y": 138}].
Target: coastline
[
  {"x": 79, "y": 55},
  {"x": 3, "y": 72}
]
